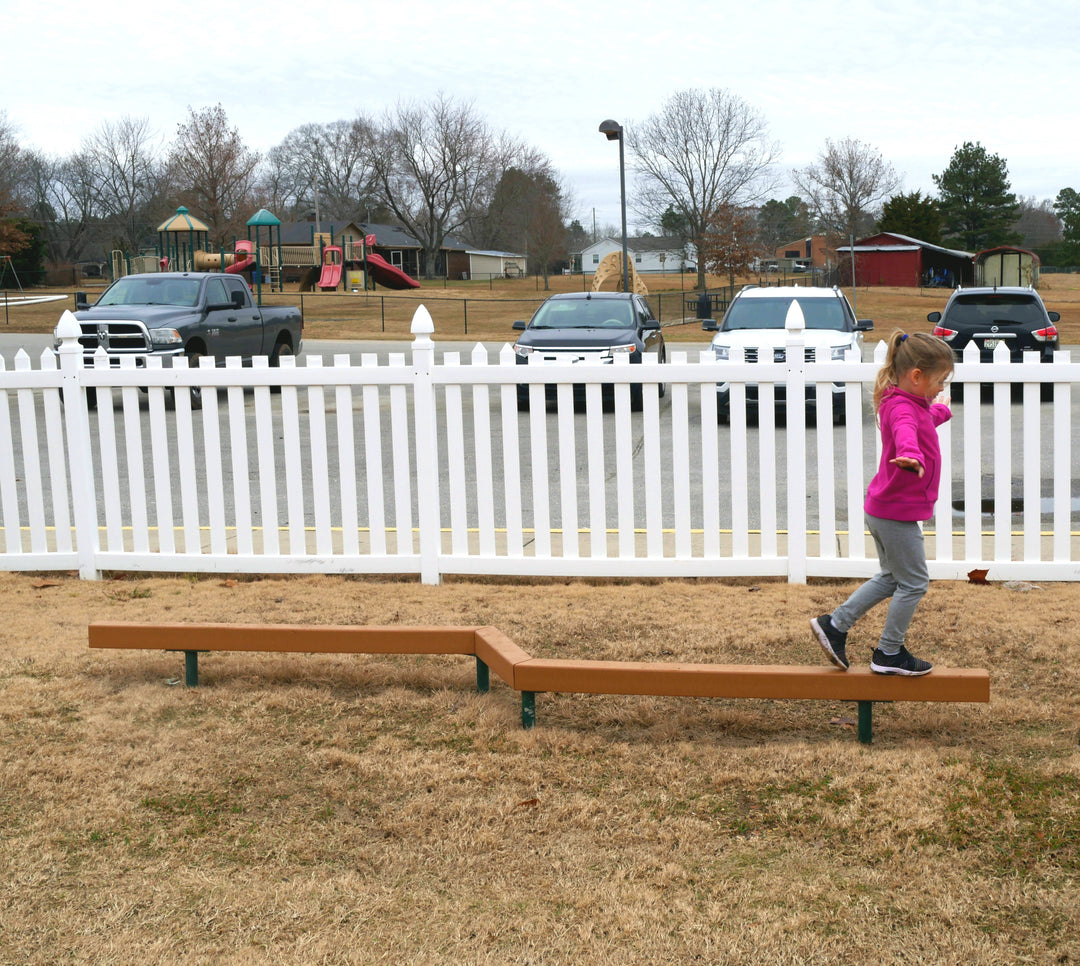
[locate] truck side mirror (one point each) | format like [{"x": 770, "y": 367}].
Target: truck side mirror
[
  {"x": 80, "y": 301},
  {"x": 709, "y": 325},
  {"x": 519, "y": 325}
]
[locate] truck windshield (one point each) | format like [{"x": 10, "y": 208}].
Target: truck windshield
[
  {"x": 771, "y": 313},
  {"x": 152, "y": 291}
]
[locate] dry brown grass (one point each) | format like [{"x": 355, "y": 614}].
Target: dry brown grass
[
  {"x": 318, "y": 809},
  {"x": 492, "y": 308}
]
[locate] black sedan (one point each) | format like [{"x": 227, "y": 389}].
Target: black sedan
[{"x": 576, "y": 326}]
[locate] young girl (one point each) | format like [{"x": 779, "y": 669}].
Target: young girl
[{"x": 902, "y": 493}]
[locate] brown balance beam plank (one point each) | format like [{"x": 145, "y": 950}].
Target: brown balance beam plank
[
  {"x": 496, "y": 651},
  {"x": 283, "y": 638},
  {"x": 747, "y": 681}
]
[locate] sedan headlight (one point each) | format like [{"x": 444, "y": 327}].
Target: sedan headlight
[
  {"x": 165, "y": 337},
  {"x": 523, "y": 350},
  {"x": 722, "y": 352},
  {"x": 838, "y": 352},
  {"x": 630, "y": 347}
]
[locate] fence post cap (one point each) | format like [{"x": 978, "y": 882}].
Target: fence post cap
[
  {"x": 68, "y": 328},
  {"x": 422, "y": 325}
]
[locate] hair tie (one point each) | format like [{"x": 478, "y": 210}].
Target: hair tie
[{"x": 903, "y": 338}]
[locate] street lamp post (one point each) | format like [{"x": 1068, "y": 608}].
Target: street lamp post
[{"x": 613, "y": 131}]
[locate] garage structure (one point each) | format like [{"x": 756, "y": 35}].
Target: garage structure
[
  {"x": 1007, "y": 266},
  {"x": 888, "y": 258}
]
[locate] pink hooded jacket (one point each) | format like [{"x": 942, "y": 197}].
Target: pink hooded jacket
[{"x": 908, "y": 428}]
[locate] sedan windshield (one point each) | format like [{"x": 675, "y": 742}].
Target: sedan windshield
[
  {"x": 583, "y": 314},
  {"x": 152, "y": 291},
  {"x": 771, "y": 313}
]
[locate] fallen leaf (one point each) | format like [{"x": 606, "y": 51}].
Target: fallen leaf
[
  {"x": 978, "y": 576},
  {"x": 40, "y": 584},
  {"x": 528, "y": 803},
  {"x": 228, "y": 583}
]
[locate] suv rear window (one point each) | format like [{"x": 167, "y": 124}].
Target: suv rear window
[
  {"x": 771, "y": 313},
  {"x": 988, "y": 309}
]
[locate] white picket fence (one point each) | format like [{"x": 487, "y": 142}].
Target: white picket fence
[{"x": 425, "y": 466}]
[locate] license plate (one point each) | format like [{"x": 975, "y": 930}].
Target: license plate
[{"x": 990, "y": 343}]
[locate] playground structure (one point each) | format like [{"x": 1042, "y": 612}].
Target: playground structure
[
  {"x": 326, "y": 265},
  {"x": 610, "y": 270},
  {"x": 235, "y": 263}
]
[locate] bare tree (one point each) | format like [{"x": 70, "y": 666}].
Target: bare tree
[
  {"x": 326, "y": 168},
  {"x": 528, "y": 213},
  {"x": 124, "y": 157},
  {"x": 1038, "y": 223},
  {"x": 703, "y": 151},
  {"x": 65, "y": 204},
  {"x": 436, "y": 167},
  {"x": 845, "y": 185},
  {"x": 210, "y": 166}
]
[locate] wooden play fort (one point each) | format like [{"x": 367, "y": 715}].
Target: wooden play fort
[{"x": 494, "y": 651}]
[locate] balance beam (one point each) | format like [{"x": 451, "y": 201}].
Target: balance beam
[{"x": 494, "y": 651}]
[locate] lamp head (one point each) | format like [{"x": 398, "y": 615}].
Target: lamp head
[{"x": 612, "y": 130}]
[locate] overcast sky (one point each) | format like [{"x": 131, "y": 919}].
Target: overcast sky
[{"x": 914, "y": 79}]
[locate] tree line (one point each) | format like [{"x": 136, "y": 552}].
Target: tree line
[
  {"x": 705, "y": 168},
  {"x": 436, "y": 169}
]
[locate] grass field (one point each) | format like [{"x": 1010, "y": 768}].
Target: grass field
[
  {"x": 483, "y": 311},
  {"x": 318, "y": 809}
]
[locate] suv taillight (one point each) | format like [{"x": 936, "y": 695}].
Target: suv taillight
[
  {"x": 942, "y": 333},
  {"x": 1049, "y": 334}
]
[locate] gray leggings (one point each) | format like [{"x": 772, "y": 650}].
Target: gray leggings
[{"x": 903, "y": 577}]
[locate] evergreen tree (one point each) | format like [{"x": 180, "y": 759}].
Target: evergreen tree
[
  {"x": 912, "y": 215},
  {"x": 976, "y": 204}
]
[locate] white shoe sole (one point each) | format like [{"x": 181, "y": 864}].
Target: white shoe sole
[{"x": 879, "y": 669}]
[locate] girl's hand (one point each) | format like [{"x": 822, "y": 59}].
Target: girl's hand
[
  {"x": 908, "y": 463},
  {"x": 943, "y": 398}
]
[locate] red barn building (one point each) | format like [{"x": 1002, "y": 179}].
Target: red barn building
[{"x": 891, "y": 259}]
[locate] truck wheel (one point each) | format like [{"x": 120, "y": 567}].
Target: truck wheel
[
  {"x": 281, "y": 349},
  {"x": 195, "y": 391}
]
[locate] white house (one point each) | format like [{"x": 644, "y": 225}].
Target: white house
[{"x": 648, "y": 254}]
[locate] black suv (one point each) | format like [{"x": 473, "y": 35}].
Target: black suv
[
  {"x": 575, "y": 326},
  {"x": 991, "y": 316}
]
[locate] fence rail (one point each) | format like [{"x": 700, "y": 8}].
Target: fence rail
[{"x": 428, "y": 467}]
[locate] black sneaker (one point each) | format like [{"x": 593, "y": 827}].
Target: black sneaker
[
  {"x": 902, "y": 662},
  {"x": 832, "y": 641}
]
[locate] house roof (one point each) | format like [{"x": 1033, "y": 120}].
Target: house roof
[
  {"x": 386, "y": 236},
  {"x": 494, "y": 254},
  {"x": 904, "y": 243},
  {"x": 642, "y": 243}
]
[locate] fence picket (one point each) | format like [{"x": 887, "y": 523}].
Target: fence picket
[{"x": 59, "y": 471}]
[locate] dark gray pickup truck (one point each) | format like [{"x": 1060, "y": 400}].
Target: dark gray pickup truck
[{"x": 193, "y": 314}]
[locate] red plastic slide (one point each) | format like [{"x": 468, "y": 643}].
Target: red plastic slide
[
  {"x": 388, "y": 275},
  {"x": 245, "y": 255},
  {"x": 330, "y": 278}
]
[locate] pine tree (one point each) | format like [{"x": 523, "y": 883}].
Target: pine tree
[
  {"x": 913, "y": 215},
  {"x": 976, "y": 202}
]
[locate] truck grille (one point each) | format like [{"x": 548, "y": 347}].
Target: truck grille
[
  {"x": 114, "y": 336},
  {"x": 779, "y": 355}
]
